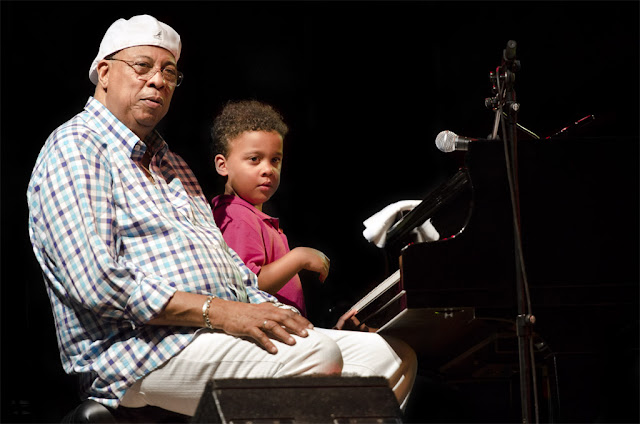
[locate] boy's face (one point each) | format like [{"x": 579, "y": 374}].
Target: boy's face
[{"x": 252, "y": 166}]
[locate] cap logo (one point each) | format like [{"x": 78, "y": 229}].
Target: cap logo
[{"x": 158, "y": 36}]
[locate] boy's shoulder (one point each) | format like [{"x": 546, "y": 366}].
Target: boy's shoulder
[
  {"x": 229, "y": 205},
  {"x": 227, "y": 201},
  {"x": 228, "y": 208}
]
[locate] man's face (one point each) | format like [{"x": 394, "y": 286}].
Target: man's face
[{"x": 137, "y": 103}]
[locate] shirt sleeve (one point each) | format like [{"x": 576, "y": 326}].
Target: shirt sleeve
[
  {"x": 242, "y": 231},
  {"x": 73, "y": 229},
  {"x": 250, "y": 279}
]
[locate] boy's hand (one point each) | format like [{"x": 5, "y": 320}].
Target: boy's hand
[
  {"x": 348, "y": 321},
  {"x": 315, "y": 260},
  {"x": 273, "y": 276}
]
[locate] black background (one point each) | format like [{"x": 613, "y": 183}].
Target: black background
[{"x": 365, "y": 88}]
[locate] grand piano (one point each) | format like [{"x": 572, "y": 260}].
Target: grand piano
[{"x": 455, "y": 300}]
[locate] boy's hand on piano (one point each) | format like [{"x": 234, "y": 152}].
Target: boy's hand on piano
[
  {"x": 344, "y": 319},
  {"x": 348, "y": 321}
]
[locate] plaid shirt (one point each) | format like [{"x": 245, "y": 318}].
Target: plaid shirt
[{"x": 114, "y": 247}]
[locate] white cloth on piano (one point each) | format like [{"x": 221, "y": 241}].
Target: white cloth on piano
[{"x": 377, "y": 225}]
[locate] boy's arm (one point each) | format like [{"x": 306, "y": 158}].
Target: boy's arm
[
  {"x": 275, "y": 275},
  {"x": 242, "y": 231}
]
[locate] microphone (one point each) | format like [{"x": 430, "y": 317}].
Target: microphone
[
  {"x": 448, "y": 141},
  {"x": 509, "y": 53}
]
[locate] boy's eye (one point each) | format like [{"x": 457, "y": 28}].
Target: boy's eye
[{"x": 253, "y": 159}]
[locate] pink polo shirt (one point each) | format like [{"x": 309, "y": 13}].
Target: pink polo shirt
[{"x": 257, "y": 239}]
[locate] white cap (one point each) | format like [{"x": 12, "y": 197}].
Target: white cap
[{"x": 142, "y": 30}]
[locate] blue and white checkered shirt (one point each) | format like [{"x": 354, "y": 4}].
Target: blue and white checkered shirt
[{"x": 114, "y": 247}]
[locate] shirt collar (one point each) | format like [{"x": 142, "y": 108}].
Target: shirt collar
[
  {"x": 236, "y": 200},
  {"x": 107, "y": 122}
]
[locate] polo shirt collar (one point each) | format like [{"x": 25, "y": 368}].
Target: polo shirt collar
[{"x": 236, "y": 200}]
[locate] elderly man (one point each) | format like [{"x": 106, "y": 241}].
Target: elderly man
[{"x": 149, "y": 302}]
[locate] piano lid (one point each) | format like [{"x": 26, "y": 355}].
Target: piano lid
[{"x": 579, "y": 209}]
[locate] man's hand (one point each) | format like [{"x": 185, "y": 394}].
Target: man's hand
[
  {"x": 258, "y": 321},
  {"x": 261, "y": 322}
]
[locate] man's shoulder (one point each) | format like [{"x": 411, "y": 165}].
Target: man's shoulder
[
  {"x": 92, "y": 128},
  {"x": 77, "y": 123},
  {"x": 93, "y": 123},
  {"x": 74, "y": 131},
  {"x": 71, "y": 142}
]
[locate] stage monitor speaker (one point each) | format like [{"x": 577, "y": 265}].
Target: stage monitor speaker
[{"x": 316, "y": 399}]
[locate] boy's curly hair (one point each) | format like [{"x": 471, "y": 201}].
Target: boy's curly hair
[{"x": 240, "y": 116}]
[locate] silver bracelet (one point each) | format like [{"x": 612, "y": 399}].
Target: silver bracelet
[
  {"x": 284, "y": 306},
  {"x": 205, "y": 312}
]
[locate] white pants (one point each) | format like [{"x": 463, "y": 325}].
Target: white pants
[{"x": 178, "y": 384}]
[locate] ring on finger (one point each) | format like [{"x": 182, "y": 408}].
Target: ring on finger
[{"x": 264, "y": 325}]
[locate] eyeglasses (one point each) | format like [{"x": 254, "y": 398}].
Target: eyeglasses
[{"x": 170, "y": 76}]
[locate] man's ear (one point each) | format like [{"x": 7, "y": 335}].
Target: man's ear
[
  {"x": 221, "y": 165},
  {"x": 103, "y": 73}
]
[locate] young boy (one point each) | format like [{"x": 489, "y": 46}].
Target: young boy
[
  {"x": 248, "y": 147},
  {"x": 247, "y": 143}
]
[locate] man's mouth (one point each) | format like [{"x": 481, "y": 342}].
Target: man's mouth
[{"x": 157, "y": 100}]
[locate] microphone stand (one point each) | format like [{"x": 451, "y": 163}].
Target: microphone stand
[{"x": 506, "y": 108}]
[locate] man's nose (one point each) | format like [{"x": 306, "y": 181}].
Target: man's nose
[{"x": 157, "y": 79}]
